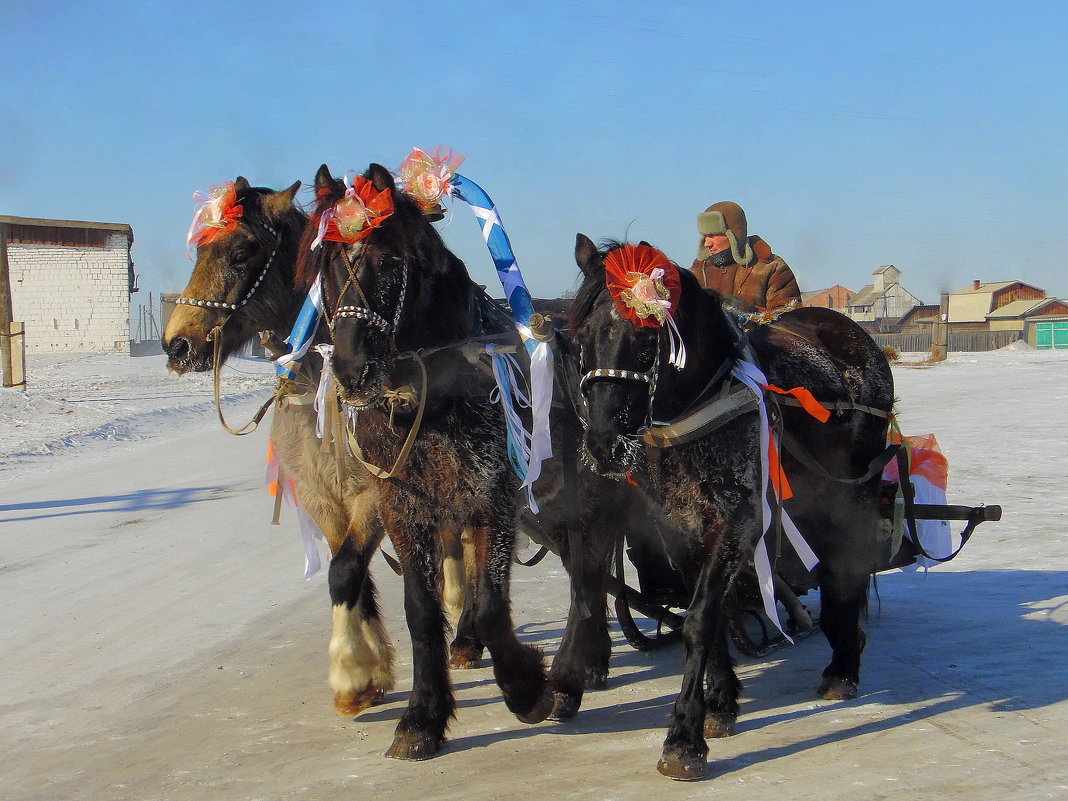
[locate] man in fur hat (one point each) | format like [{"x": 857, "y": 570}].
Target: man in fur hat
[{"x": 742, "y": 268}]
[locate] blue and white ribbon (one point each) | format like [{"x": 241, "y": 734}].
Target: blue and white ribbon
[
  {"x": 753, "y": 377},
  {"x": 300, "y": 338},
  {"x": 537, "y": 446}
]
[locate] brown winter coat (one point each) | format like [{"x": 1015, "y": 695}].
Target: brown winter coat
[{"x": 766, "y": 283}]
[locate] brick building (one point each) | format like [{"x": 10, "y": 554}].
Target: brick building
[{"x": 70, "y": 282}]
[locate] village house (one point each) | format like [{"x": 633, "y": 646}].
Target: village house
[
  {"x": 70, "y": 283},
  {"x": 1010, "y": 306},
  {"x": 881, "y": 303},
  {"x": 836, "y": 297}
]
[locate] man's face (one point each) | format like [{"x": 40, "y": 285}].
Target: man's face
[{"x": 717, "y": 243}]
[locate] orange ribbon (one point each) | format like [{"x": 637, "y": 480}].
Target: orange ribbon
[{"x": 806, "y": 399}]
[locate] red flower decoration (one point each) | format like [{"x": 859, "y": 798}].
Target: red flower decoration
[
  {"x": 216, "y": 215},
  {"x": 352, "y": 219},
  {"x": 644, "y": 284}
]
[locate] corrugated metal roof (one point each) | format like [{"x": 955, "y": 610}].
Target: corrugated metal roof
[
  {"x": 994, "y": 286},
  {"x": 1018, "y": 308}
]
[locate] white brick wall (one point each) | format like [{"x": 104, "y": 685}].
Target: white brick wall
[{"x": 72, "y": 299}]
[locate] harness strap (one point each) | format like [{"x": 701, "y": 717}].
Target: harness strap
[
  {"x": 908, "y": 495},
  {"x": 216, "y": 336},
  {"x": 733, "y": 400},
  {"x": 838, "y": 406},
  {"x": 402, "y": 457},
  {"x": 875, "y": 467},
  {"x": 537, "y": 557}
]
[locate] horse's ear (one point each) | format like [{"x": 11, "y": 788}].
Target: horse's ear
[
  {"x": 242, "y": 183},
  {"x": 380, "y": 177},
  {"x": 278, "y": 203},
  {"x": 585, "y": 253},
  {"x": 323, "y": 177}
]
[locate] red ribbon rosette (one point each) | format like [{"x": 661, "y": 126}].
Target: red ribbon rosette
[
  {"x": 352, "y": 219},
  {"x": 644, "y": 284},
  {"x": 216, "y": 214}
]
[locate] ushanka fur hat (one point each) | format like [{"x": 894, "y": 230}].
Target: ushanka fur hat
[{"x": 725, "y": 218}]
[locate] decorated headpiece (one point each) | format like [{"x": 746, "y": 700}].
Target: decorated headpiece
[
  {"x": 352, "y": 219},
  {"x": 427, "y": 177},
  {"x": 217, "y": 212},
  {"x": 644, "y": 284},
  {"x": 646, "y": 288}
]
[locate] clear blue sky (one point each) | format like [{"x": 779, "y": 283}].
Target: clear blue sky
[{"x": 928, "y": 135}]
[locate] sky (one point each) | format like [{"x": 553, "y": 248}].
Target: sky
[{"x": 927, "y": 135}]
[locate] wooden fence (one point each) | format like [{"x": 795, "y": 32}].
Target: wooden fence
[{"x": 959, "y": 341}]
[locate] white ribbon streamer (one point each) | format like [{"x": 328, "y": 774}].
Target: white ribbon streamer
[
  {"x": 326, "y": 383},
  {"x": 753, "y": 377},
  {"x": 309, "y": 529}
]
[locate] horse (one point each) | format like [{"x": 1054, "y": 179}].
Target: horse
[
  {"x": 400, "y": 306},
  {"x": 712, "y": 481},
  {"x": 242, "y": 283}
]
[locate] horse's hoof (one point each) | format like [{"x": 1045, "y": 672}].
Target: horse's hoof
[
  {"x": 596, "y": 679},
  {"x": 565, "y": 706},
  {"x": 350, "y": 706},
  {"x": 720, "y": 724},
  {"x": 414, "y": 748},
  {"x": 465, "y": 658},
  {"x": 541, "y": 709},
  {"x": 834, "y": 688},
  {"x": 681, "y": 767}
]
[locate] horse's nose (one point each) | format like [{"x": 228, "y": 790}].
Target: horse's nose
[
  {"x": 607, "y": 451},
  {"x": 177, "y": 348}
]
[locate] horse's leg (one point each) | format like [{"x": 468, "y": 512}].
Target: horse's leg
[
  {"x": 420, "y": 732},
  {"x": 461, "y": 571},
  {"x": 723, "y": 688},
  {"x": 517, "y": 667},
  {"x": 582, "y": 661},
  {"x": 361, "y": 654},
  {"x": 844, "y": 575},
  {"x": 704, "y": 633}
]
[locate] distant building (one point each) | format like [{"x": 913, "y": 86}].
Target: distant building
[
  {"x": 1011, "y": 306},
  {"x": 970, "y": 308},
  {"x": 71, "y": 283},
  {"x": 881, "y": 303},
  {"x": 836, "y": 297}
]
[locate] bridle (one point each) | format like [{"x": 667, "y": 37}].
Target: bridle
[
  {"x": 365, "y": 312},
  {"x": 613, "y": 374},
  {"x": 232, "y": 307}
]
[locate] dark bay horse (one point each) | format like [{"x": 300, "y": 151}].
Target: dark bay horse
[
  {"x": 400, "y": 307},
  {"x": 242, "y": 283},
  {"x": 712, "y": 485}
]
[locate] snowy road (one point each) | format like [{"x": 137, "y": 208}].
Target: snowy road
[{"x": 160, "y": 643}]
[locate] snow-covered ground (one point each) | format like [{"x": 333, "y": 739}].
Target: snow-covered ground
[{"x": 159, "y": 642}]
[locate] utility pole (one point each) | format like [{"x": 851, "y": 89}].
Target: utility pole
[
  {"x": 940, "y": 332},
  {"x": 12, "y": 362}
]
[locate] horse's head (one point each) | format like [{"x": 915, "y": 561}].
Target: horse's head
[
  {"x": 370, "y": 243},
  {"x": 640, "y": 350},
  {"x": 242, "y": 282}
]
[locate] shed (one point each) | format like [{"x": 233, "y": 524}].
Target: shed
[{"x": 71, "y": 282}]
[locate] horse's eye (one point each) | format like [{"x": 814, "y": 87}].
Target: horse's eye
[{"x": 240, "y": 255}]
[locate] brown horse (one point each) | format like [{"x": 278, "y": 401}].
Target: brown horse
[
  {"x": 243, "y": 283},
  {"x": 710, "y": 482}
]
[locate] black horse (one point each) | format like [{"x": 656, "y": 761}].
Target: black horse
[
  {"x": 711, "y": 483},
  {"x": 400, "y": 307}
]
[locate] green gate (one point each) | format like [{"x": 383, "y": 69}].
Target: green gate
[{"x": 1051, "y": 335}]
